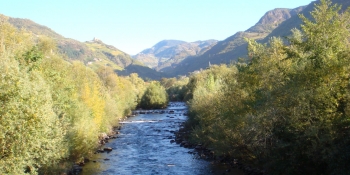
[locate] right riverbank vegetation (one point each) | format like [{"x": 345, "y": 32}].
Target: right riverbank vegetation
[{"x": 287, "y": 108}]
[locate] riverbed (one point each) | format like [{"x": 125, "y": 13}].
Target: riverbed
[{"x": 145, "y": 146}]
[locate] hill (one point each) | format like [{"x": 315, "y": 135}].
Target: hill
[
  {"x": 234, "y": 47},
  {"x": 93, "y": 53}
]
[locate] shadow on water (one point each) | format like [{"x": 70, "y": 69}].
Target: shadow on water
[{"x": 143, "y": 147}]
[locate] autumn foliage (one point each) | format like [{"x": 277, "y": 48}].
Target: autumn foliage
[{"x": 52, "y": 111}]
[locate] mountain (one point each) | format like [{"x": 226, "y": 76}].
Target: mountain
[
  {"x": 151, "y": 56},
  {"x": 35, "y": 28},
  {"x": 161, "y": 46},
  {"x": 275, "y": 23},
  {"x": 284, "y": 29},
  {"x": 168, "y": 52},
  {"x": 93, "y": 53},
  {"x": 234, "y": 47}
]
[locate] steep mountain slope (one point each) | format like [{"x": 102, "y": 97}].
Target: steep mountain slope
[
  {"x": 273, "y": 19},
  {"x": 87, "y": 52},
  {"x": 234, "y": 47},
  {"x": 294, "y": 22},
  {"x": 168, "y": 52},
  {"x": 93, "y": 53},
  {"x": 34, "y": 27}
]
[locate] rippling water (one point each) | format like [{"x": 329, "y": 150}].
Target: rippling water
[{"x": 143, "y": 147}]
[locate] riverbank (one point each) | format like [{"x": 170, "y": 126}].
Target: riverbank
[{"x": 224, "y": 165}]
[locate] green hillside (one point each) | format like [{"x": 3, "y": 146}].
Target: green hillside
[{"x": 92, "y": 53}]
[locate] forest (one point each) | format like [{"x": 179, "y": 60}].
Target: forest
[{"x": 285, "y": 109}]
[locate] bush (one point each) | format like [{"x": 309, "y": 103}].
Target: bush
[{"x": 155, "y": 97}]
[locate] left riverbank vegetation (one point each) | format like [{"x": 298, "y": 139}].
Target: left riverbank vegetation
[
  {"x": 286, "y": 109},
  {"x": 52, "y": 111}
]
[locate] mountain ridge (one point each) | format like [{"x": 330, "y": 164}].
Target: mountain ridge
[{"x": 234, "y": 47}]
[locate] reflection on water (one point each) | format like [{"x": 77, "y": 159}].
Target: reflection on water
[{"x": 143, "y": 147}]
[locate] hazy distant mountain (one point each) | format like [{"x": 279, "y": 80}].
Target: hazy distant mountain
[
  {"x": 168, "y": 52},
  {"x": 161, "y": 46},
  {"x": 234, "y": 47},
  {"x": 150, "y": 57}
]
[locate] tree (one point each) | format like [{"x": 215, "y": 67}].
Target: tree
[
  {"x": 32, "y": 135},
  {"x": 155, "y": 97}
]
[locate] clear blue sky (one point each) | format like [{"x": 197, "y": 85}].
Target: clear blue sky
[{"x": 134, "y": 25}]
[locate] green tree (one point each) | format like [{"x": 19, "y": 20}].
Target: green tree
[
  {"x": 32, "y": 136},
  {"x": 155, "y": 97},
  {"x": 311, "y": 133}
]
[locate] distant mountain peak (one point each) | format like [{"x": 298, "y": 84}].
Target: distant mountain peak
[
  {"x": 168, "y": 52},
  {"x": 273, "y": 18},
  {"x": 162, "y": 45},
  {"x": 276, "y": 15}
]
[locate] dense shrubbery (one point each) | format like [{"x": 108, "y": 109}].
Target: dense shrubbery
[
  {"x": 52, "y": 110},
  {"x": 288, "y": 108},
  {"x": 175, "y": 87},
  {"x": 155, "y": 97}
]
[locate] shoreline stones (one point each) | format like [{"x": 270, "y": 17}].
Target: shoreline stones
[
  {"x": 104, "y": 138},
  {"x": 108, "y": 149}
]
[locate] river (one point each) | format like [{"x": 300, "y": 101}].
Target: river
[{"x": 144, "y": 147}]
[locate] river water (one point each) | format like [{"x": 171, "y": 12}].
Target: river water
[{"x": 143, "y": 147}]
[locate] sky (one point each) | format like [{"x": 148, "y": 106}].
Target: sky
[{"x": 134, "y": 25}]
